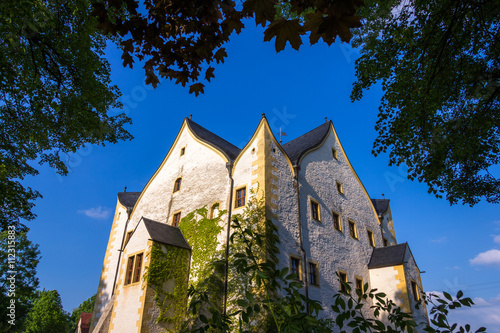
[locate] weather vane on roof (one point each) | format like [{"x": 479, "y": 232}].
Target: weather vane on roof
[{"x": 281, "y": 134}]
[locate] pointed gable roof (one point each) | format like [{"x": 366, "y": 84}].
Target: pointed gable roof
[
  {"x": 128, "y": 199},
  {"x": 166, "y": 234},
  {"x": 388, "y": 256},
  {"x": 298, "y": 147},
  {"x": 205, "y": 135}
]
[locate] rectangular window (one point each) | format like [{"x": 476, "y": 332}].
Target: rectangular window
[
  {"x": 137, "y": 268},
  {"x": 315, "y": 210},
  {"x": 386, "y": 243},
  {"x": 134, "y": 265},
  {"x": 295, "y": 267},
  {"x": 183, "y": 150},
  {"x": 352, "y": 229},
  {"x": 313, "y": 274},
  {"x": 343, "y": 281},
  {"x": 414, "y": 289},
  {"x": 176, "y": 219},
  {"x": 336, "y": 221},
  {"x": 177, "y": 184},
  {"x": 371, "y": 240},
  {"x": 130, "y": 268},
  {"x": 129, "y": 234},
  {"x": 340, "y": 188},
  {"x": 359, "y": 285},
  {"x": 240, "y": 197},
  {"x": 335, "y": 154}
]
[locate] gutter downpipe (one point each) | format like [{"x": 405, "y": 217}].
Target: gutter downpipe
[
  {"x": 304, "y": 274},
  {"x": 229, "y": 166}
]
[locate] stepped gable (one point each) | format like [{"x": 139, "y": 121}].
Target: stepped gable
[
  {"x": 298, "y": 147},
  {"x": 381, "y": 205},
  {"x": 166, "y": 234},
  {"x": 205, "y": 135},
  {"x": 128, "y": 199},
  {"x": 388, "y": 256}
]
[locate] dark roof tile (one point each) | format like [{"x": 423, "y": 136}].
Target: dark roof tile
[
  {"x": 381, "y": 205},
  {"x": 388, "y": 256},
  {"x": 228, "y": 148},
  {"x": 296, "y": 148},
  {"x": 128, "y": 199},
  {"x": 166, "y": 234}
]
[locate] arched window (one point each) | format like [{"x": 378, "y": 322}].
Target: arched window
[
  {"x": 214, "y": 211},
  {"x": 177, "y": 184}
]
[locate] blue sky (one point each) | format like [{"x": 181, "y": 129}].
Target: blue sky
[{"x": 457, "y": 246}]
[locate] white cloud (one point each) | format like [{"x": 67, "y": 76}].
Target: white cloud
[
  {"x": 496, "y": 238},
  {"x": 488, "y": 258},
  {"x": 96, "y": 213},
  {"x": 484, "y": 313},
  {"x": 439, "y": 240}
]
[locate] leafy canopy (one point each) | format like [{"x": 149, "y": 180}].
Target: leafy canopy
[
  {"x": 47, "y": 314},
  {"x": 55, "y": 94},
  {"x": 438, "y": 62},
  {"x": 180, "y": 39}
]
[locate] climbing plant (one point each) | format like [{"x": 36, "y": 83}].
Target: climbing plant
[{"x": 167, "y": 274}]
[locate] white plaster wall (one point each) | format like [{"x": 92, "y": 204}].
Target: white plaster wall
[
  {"x": 242, "y": 173},
  {"x": 128, "y": 302},
  {"x": 384, "y": 279},
  {"x": 205, "y": 180},
  {"x": 109, "y": 268},
  {"x": 334, "y": 250}
]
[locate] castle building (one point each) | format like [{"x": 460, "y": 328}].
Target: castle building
[{"x": 328, "y": 226}]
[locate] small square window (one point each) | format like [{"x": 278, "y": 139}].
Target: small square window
[
  {"x": 315, "y": 213},
  {"x": 240, "y": 197},
  {"x": 335, "y": 154},
  {"x": 359, "y": 285},
  {"x": 295, "y": 267},
  {"x": 343, "y": 281},
  {"x": 352, "y": 229},
  {"x": 313, "y": 274},
  {"x": 176, "y": 219},
  {"x": 183, "y": 150},
  {"x": 414, "y": 289},
  {"x": 177, "y": 184},
  {"x": 336, "y": 221},
  {"x": 340, "y": 188},
  {"x": 386, "y": 243},
  {"x": 371, "y": 240}
]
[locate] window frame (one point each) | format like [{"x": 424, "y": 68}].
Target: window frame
[
  {"x": 314, "y": 273},
  {"x": 127, "y": 237},
  {"x": 385, "y": 242},
  {"x": 340, "y": 187},
  {"x": 354, "y": 230},
  {"x": 359, "y": 279},
  {"x": 237, "y": 204},
  {"x": 371, "y": 238},
  {"x": 335, "y": 154},
  {"x": 177, "y": 185},
  {"x": 318, "y": 211},
  {"x": 215, "y": 205},
  {"x": 339, "y": 221},
  {"x": 299, "y": 266},
  {"x": 173, "y": 223},
  {"x": 183, "y": 151},
  {"x": 133, "y": 272},
  {"x": 414, "y": 290},
  {"x": 343, "y": 289}
]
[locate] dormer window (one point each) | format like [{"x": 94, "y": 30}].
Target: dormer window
[
  {"x": 177, "y": 184},
  {"x": 183, "y": 150}
]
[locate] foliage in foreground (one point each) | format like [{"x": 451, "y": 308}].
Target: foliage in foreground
[
  {"x": 47, "y": 314},
  {"x": 271, "y": 299},
  {"x": 439, "y": 65}
]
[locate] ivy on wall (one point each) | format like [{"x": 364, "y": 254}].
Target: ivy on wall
[{"x": 168, "y": 273}]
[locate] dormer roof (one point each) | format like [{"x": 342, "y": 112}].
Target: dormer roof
[
  {"x": 166, "y": 234},
  {"x": 388, "y": 256},
  {"x": 296, "y": 148},
  {"x": 381, "y": 206}
]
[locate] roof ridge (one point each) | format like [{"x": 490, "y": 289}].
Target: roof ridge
[{"x": 307, "y": 133}]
